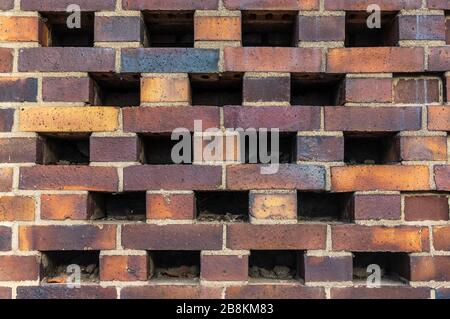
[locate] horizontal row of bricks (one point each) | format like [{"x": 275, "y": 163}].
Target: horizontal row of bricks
[{"x": 262, "y": 206}]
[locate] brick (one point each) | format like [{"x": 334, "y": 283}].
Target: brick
[
  {"x": 426, "y": 27},
  {"x": 423, "y": 148},
  {"x": 272, "y": 59},
  {"x": 320, "y": 148},
  {"x": 271, "y": 5},
  {"x": 374, "y": 90},
  {"x": 321, "y": 28},
  {"x": 6, "y": 179},
  {"x": 395, "y": 292},
  {"x": 286, "y": 119},
  {"x": 443, "y": 293},
  {"x": 169, "y": 60},
  {"x": 170, "y": 5},
  {"x": 267, "y": 291},
  {"x": 326, "y": 268},
  {"x": 278, "y": 206},
  {"x": 68, "y": 89},
  {"x": 442, "y": 177},
  {"x": 19, "y": 29},
  {"x": 438, "y": 4},
  {"x": 439, "y": 118},
  {"x": 61, "y": 5},
  {"x": 373, "y": 60},
  {"x": 69, "y": 178},
  {"x": 447, "y": 33},
  {"x": 67, "y": 60},
  {"x": 74, "y": 237},
  {"x": 172, "y": 237},
  {"x": 172, "y": 177},
  {"x": 379, "y": 177},
  {"x": 224, "y": 268},
  {"x": 377, "y": 207},
  {"x": 372, "y": 119},
  {"x": 267, "y": 89},
  {"x": 68, "y": 119},
  {"x": 288, "y": 176},
  {"x": 430, "y": 268},
  {"x": 379, "y": 238},
  {"x": 415, "y": 91},
  {"x": 6, "y": 60},
  {"x": 439, "y": 59},
  {"x": 5, "y": 292},
  {"x": 441, "y": 237},
  {"x": 6, "y": 119},
  {"x": 65, "y": 206},
  {"x": 5, "y": 238},
  {"x": 14, "y": 89},
  {"x": 19, "y": 150},
  {"x": 118, "y": 29},
  {"x": 166, "y": 119},
  {"x": 16, "y": 208},
  {"x": 124, "y": 268},
  {"x": 170, "y": 206},
  {"x": 160, "y": 89},
  {"x": 114, "y": 149},
  {"x": 426, "y": 208},
  {"x": 295, "y": 236},
  {"x": 64, "y": 292},
  {"x": 7, "y": 5},
  {"x": 210, "y": 28},
  {"x": 19, "y": 268},
  {"x": 385, "y": 5},
  {"x": 158, "y": 291},
  {"x": 447, "y": 84}
]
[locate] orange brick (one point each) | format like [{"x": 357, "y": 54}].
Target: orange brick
[
  {"x": 439, "y": 118},
  {"x": 170, "y": 206},
  {"x": 124, "y": 268},
  {"x": 172, "y": 89},
  {"x": 15, "y": 29},
  {"x": 14, "y": 208},
  {"x": 273, "y": 205},
  {"x": 441, "y": 237},
  {"x": 379, "y": 177},
  {"x": 217, "y": 28},
  {"x": 6, "y": 176},
  {"x": 423, "y": 148},
  {"x": 67, "y": 206}
]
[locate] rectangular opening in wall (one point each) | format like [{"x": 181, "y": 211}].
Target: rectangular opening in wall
[
  {"x": 317, "y": 89},
  {"x": 324, "y": 206},
  {"x": 371, "y": 149},
  {"x": 64, "y": 149},
  {"x": 362, "y": 29},
  {"x": 112, "y": 89},
  {"x": 269, "y": 29},
  {"x": 118, "y": 206},
  {"x": 392, "y": 268},
  {"x": 170, "y": 28},
  {"x": 216, "y": 89},
  {"x": 157, "y": 149},
  {"x": 274, "y": 264},
  {"x": 265, "y": 148},
  {"x": 222, "y": 206},
  {"x": 174, "y": 265},
  {"x": 57, "y": 266},
  {"x": 63, "y": 30}
]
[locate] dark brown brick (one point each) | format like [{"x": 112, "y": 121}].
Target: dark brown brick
[
  {"x": 416, "y": 91},
  {"x": 426, "y": 208},
  {"x": 267, "y": 291},
  {"x": 325, "y": 268},
  {"x": 377, "y": 207},
  {"x": 404, "y": 292},
  {"x": 19, "y": 268},
  {"x": 224, "y": 268},
  {"x": 321, "y": 28},
  {"x": 61, "y": 5},
  {"x": 421, "y": 27},
  {"x": 320, "y": 148},
  {"x": 159, "y": 291},
  {"x": 18, "y": 89},
  {"x": 18, "y": 150},
  {"x": 119, "y": 29},
  {"x": 114, "y": 149},
  {"x": 64, "y": 292},
  {"x": 423, "y": 148},
  {"x": 68, "y": 89},
  {"x": 6, "y": 60},
  {"x": 5, "y": 238},
  {"x": 170, "y": 5},
  {"x": 6, "y": 120},
  {"x": 430, "y": 268},
  {"x": 270, "y": 89}
]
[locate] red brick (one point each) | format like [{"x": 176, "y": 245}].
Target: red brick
[
  {"x": 224, "y": 268},
  {"x": 19, "y": 268},
  {"x": 447, "y": 33},
  {"x": 416, "y": 91},
  {"x": 375, "y": 90},
  {"x": 372, "y": 60},
  {"x": 430, "y": 268},
  {"x": 6, "y": 60},
  {"x": 5, "y": 238},
  {"x": 69, "y": 178},
  {"x": 372, "y": 119},
  {"x": 118, "y": 29},
  {"x": 377, "y": 207},
  {"x": 320, "y": 148},
  {"x": 170, "y": 5},
  {"x": 280, "y": 291},
  {"x": 124, "y": 268},
  {"x": 402, "y": 292},
  {"x": 442, "y": 177},
  {"x": 321, "y": 28},
  {"x": 75, "y": 237},
  {"x": 272, "y": 5},
  {"x": 6, "y": 179},
  {"x": 5, "y": 292},
  {"x": 431, "y": 27},
  {"x": 14, "y": 89},
  {"x": 423, "y": 148},
  {"x": 272, "y": 59},
  {"x": 159, "y": 291},
  {"x": 426, "y": 208},
  {"x": 379, "y": 238},
  {"x": 61, "y": 5},
  {"x": 326, "y": 268},
  {"x": 439, "y": 59},
  {"x": 6, "y": 119},
  {"x": 441, "y": 237},
  {"x": 7, "y": 5},
  {"x": 18, "y": 150},
  {"x": 114, "y": 149},
  {"x": 16, "y": 208},
  {"x": 172, "y": 237},
  {"x": 64, "y": 292},
  {"x": 170, "y": 206},
  {"x": 447, "y": 84},
  {"x": 65, "y": 206},
  {"x": 68, "y": 89},
  {"x": 439, "y": 4},
  {"x": 385, "y": 5},
  {"x": 296, "y": 236},
  {"x": 439, "y": 118},
  {"x": 267, "y": 89}
]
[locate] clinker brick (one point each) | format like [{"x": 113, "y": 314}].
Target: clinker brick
[
  {"x": 160, "y": 89},
  {"x": 271, "y": 5},
  {"x": 158, "y": 291},
  {"x": 326, "y": 268},
  {"x": 442, "y": 177},
  {"x": 16, "y": 208},
  {"x": 6, "y": 179},
  {"x": 170, "y": 5},
  {"x": 118, "y": 29},
  {"x": 395, "y": 292},
  {"x": 14, "y": 89},
  {"x": 441, "y": 237},
  {"x": 19, "y": 150},
  {"x": 423, "y": 148},
  {"x": 258, "y": 291},
  {"x": 426, "y": 208},
  {"x": 430, "y": 268},
  {"x": 416, "y": 91},
  {"x": 377, "y": 207},
  {"x": 439, "y": 4},
  {"x": 6, "y": 60},
  {"x": 6, "y": 119},
  {"x": 321, "y": 28},
  {"x": 439, "y": 59},
  {"x": 374, "y": 90},
  {"x": 320, "y": 148},
  {"x": 439, "y": 118},
  {"x": 7, "y": 5},
  {"x": 266, "y": 89},
  {"x": 68, "y": 89},
  {"x": 64, "y": 292},
  {"x": 276, "y": 206},
  {"x": 61, "y": 5},
  {"x": 426, "y": 27},
  {"x": 385, "y": 5},
  {"x": 114, "y": 149},
  {"x": 5, "y": 292}
]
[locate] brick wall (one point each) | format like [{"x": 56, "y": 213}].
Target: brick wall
[{"x": 85, "y": 122}]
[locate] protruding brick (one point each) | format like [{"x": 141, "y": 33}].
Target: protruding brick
[
  {"x": 395, "y": 292},
  {"x": 377, "y": 207},
  {"x": 65, "y": 206},
  {"x": 6, "y": 179},
  {"x": 124, "y": 268},
  {"x": 158, "y": 291},
  {"x": 5, "y": 238},
  {"x": 258, "y": 291},
  {"x": 74, "y": 237},
  {"x": 439, "y": 59},
  {"x": 441, "y": 237},
  {"x": 416, "y": 91},
  {"x": 19, "y": 150},
  {"x": 321, "y": 28},
  {"x": 421, "y": 27},
  {"x": 162, "y": 89},
  {"x": 423, "y": 148},
  {"x": 16, "y": 208},
  {"x": 14, "y": 89},
  {"x": 361, "y": 5},
  {"x": 326, "y": 268},
  {"x": 170, "y": 5},
  {"x": 439, "y": 118},
  {"x": 114, "y": 149},
  {"x": 19, "y": 268},
  {"x": 224, "y": 268},
  {"x": 373, "y": 90},
  {"x": 68, "y": 89},
  {"x": 273, "y": 205},
  {"x": 267, "y": 89},
  {"x": 118, "y": 29},
  {"x": 64, "y": 292},
  {"x": 271, "y": 5},
  {"x": 170, "y": 206},
  {"x": 442, "y": 177},
  {"x": 430, "y": 268},
  {"x": 380, "y": 177},
  {"x": 211, "y": 28},
  {"x": 19, "y": 29},
  {"x": 320, "y": 148},
  {"x": 6, "y": 60}
]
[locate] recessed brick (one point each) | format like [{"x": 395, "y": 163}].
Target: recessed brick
[
  {"x": 170, "y": 206},
  {"x": 374, "y": 90},
  {"x": 321, "y": 28},
  {"x": 114, "y": 149},
  {"x": 320, "y": 148},
  {"x": 224, "y": 268}
]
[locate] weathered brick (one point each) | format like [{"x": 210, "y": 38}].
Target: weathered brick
[
  {"x": 439, "y": 59},
  {"x": 211, "y": 28},
  {"x": 6, "y": 179},
  {"x": 326, "y": 268},
  {"x": 5, "y": 292},
  {"x": 423, "y": 148},
  {"x": 375, "y": 119},
  {"x": 441, "y": 237},
  {"x": 123, "y": 268},
  {"x": 379, "y": 177},
  {"x": 7, "y": 5},
  {"x": 68, "y": 89},
  {"x": 114, "y": 149},
  {"x": 170, "y": 60},
  {"x": 272, "y": 59},
  {"x": 379, "y": 238},
  {"x": 385, "y": 5},
  {"x": 442, "y": 177},
  {"x": 67, "y": 59},
  {"x": 296, "y": 236},
  {"x": 69, "y": 178},
  {"x": 288, "y": 176},
  {"x": 170, "y": 5},
  {"x": 395, "y": 292},
  {"x": 61, "y": 5},
  {"x": 320, "y": 148},
  {"x": 14, "y": 89},
  {"x": 161, "y": 89},
  {"x": 426, "y": 208},
  {"x": 430, "y": 268},
  {"x": 439, "y": 118},
  {"x": 5, "y": 238},
  {"x": 158, "y": 291},
  {"x": 16, "y": 208},
  {"x": 321, "y": 28},
  {"x": 118, "y": 29},
  {"x": 415, "y": 91},
  {"x": 267, "y": 89},
  {"x": 224, "y": 268},
  {"x": 376, "y": 90},
  {"x": 64, "y": 292},
  {"x": 421, "y": 27},
  {"x": 74, "y": 237},
  {"x": 372, "y": 60},
  {"x": 172, "y": 237},
  {"x": 19, "y": 268},
  {"x": 65, "y": 206},
  {"x": 377, "y": 207},
  {"x": 288, "y": 291},
  {"x": 19, "y": 29},
  {"x": 68, "y": 119},
  {"x": 170, "y": 206},
  {"x": 273, "y": 205},
  {"x": 6, "y": 60},
  {"x": 19, "y": 150},
  {"x": 271, "y": 5}
]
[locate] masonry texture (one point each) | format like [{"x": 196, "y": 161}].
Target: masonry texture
[{"x": 86, "y": 176}]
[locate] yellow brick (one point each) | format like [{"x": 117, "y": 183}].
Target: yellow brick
[
  {"x": 172, "y": 89},
  {"x": 273, "y": 206}
]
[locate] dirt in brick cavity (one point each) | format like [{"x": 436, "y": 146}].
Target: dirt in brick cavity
[
  {"x": 278, "y": 265},
  {"x": 227, "y": 207},
  {"x": 174, "y": 265}
]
